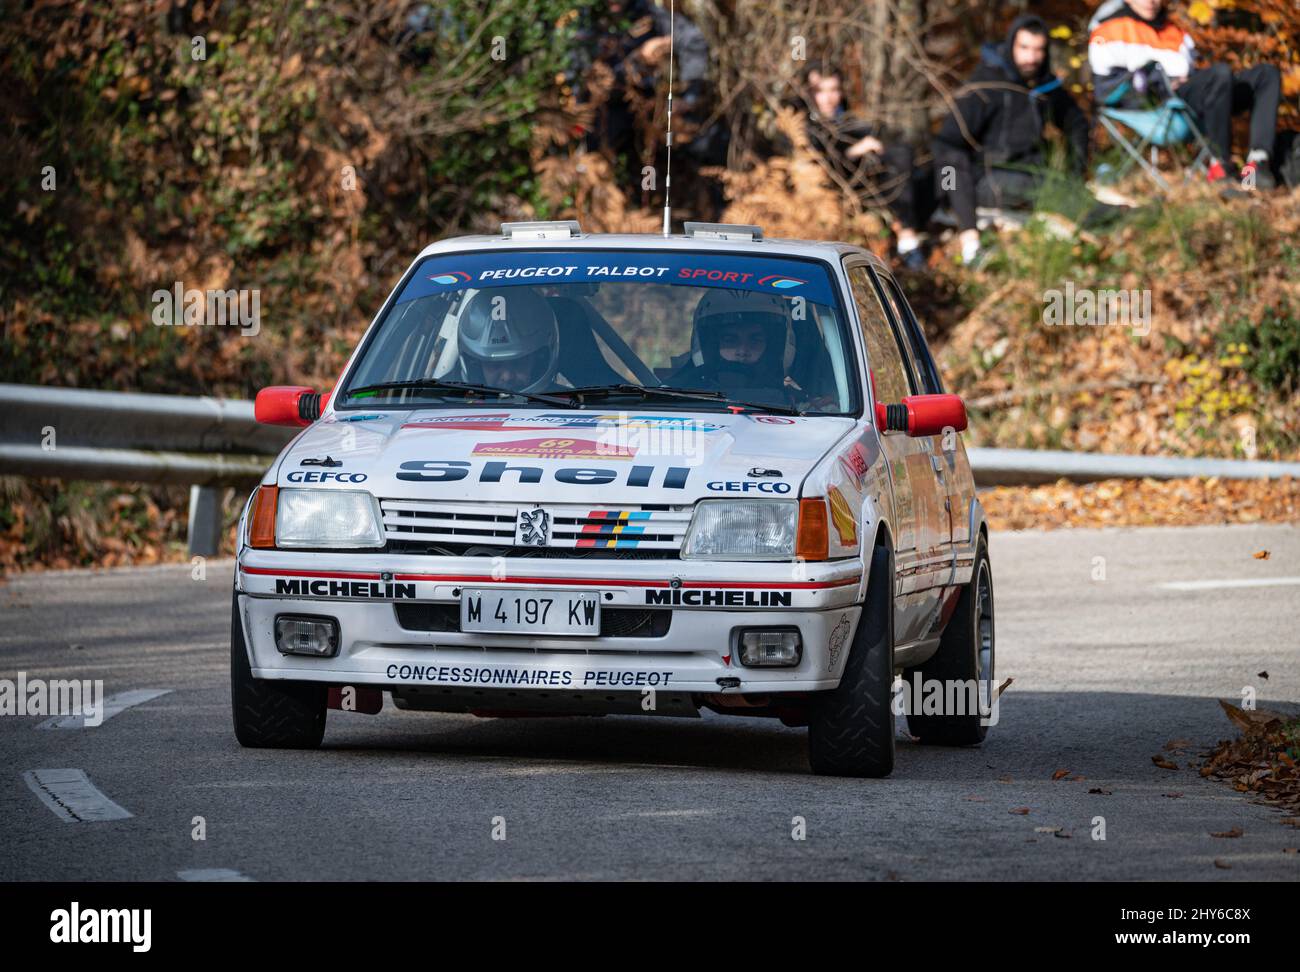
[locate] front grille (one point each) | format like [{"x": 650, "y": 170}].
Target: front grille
[
  {"x": 552, "y": 553},
  {"x": 615, "y": 622},
  {"x": 456, "y": 522},
  {"x": 488, "y": 529}
]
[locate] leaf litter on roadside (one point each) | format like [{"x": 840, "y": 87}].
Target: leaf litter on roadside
[{"x": 1263, "y": 760}]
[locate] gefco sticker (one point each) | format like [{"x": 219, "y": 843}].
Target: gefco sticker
[
  {"x": 763, "y": 274},
  {"x": 454, "y": 470},
  {"x": 747, "y": 486},
  {"x": 321, "y": 476}
]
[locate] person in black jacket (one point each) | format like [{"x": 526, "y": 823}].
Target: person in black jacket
[
  {"x": 990, "y": 149},
  {"x": 631, "y": 38},
  {"x": 881, "y": 170}
]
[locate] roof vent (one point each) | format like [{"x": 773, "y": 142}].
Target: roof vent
[
  {"x": 724, "y": 231},
  {"x": 560, "y": 229}
]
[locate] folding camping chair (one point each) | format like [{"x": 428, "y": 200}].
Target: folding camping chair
[{"x": 1168, "y": 124}]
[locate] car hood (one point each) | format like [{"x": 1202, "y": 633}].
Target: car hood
[{"x": 536, "y": 455}]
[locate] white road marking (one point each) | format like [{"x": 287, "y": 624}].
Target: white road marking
[
  {"x": 1210, "y": 585},
  {"x": 112, "y": 706},
  {"x": 220, "y": 874},
  {"x": 72, "y": 797}
]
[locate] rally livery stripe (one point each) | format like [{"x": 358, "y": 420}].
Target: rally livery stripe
[
  {"x": 112, "y": 706},
  {"x": 72, "y": 797},
  {"x": 337, "y": 575},
  {"x": 570, "y": 581}
]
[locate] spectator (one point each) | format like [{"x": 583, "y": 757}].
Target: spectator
[
  {"x": 882, "y": 172},
  {"x": 631, "y": 38},
  {"x": 993, "y": 140},
  {"x": 1138, "y": 39}
]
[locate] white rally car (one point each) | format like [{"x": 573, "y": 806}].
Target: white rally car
[{"x": 569, "y": 473}]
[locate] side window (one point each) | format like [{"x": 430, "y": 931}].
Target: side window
[
  {"x": 926, "y": 373},
  {"x": 888, "y": 371}
]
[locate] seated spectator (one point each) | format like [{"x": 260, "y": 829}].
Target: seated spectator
[
  {"x": 881, "y": 172},
  {"x": 1138, "y": 40},
  {"x": 994, "y": 141}
]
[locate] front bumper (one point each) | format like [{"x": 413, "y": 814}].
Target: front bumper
[{"x": 708, "y": 601}]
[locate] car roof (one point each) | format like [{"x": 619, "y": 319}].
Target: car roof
[{"x": 815, "y": 249}]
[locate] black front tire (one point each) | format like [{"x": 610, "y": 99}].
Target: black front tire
[
  {"x": 851, "y": 728},
  {"x": 272, "y": 714},
  {"x": 968, "y": 636}
]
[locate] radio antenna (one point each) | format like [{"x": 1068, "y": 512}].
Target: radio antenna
[{"x": 668, "y": 169}]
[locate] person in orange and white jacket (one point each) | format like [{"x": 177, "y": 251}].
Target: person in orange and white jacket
[{"x": 1134, "y": 46}]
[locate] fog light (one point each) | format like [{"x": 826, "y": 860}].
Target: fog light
[
  {"x": 296, "y": 634},
  {"x": 770, "y": 647}
]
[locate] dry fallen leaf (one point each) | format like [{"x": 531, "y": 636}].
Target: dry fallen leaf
[
  {"x": 1060, "y": 774},
  {"x": 1234, "y": 832},
  {"x": 1247, "y": 719},
  {"x": 1260, "y": 555},
  {"x": 1172, "y": 796},
  {"x": 1020, "y": 810},
  {"x": 1175, "y": 744},
  {"x": 1100, "y": 791},
  {"x": 1222, "y": 865},
  {"x": 1164, "y": 763}
]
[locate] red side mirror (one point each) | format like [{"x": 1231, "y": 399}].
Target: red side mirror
[
  {"x": 920, "y": 415},
  {"x": 293, "y": 405}
]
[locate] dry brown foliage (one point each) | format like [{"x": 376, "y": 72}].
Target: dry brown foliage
[
  {"x": 1263, "y": 759},
  {"x": 1147, "y": 502}
]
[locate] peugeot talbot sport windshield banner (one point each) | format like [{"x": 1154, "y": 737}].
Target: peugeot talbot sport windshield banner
[{"x": 787, "y": 278}]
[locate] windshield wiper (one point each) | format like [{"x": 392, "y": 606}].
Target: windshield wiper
[
  {"x": 465, "y": 388},
  {"x": 666, "y": 391}
]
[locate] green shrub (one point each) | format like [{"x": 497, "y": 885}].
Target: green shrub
[{"x": 1272, "y": 355}]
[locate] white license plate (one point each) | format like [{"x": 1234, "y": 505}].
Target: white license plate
[{"x": 505, "y": 611}]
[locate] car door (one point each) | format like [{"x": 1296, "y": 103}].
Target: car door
[
  {"x": 957, "y": 486},
  {"x": 924, "y": 379},
  {"x": 917, "y": 530}
]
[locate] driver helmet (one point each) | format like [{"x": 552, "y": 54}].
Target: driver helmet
[
  {"x": 719, "y": 309},
  {"x": 509, "y": 326}
]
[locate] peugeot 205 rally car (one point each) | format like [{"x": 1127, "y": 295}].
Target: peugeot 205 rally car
[{"x": 568, "y": 473}]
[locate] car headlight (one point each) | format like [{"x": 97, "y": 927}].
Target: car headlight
[
  {"x": 340, "y": 518},
  {"x": 725, "y": 529}
]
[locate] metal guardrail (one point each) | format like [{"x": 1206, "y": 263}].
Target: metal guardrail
[
  {"x": 208, "y": 444},
  {"x": 1016, "y": 467},
  {"x": 213, "y": 443}
]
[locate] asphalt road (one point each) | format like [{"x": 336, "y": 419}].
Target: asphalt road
[{"x": 1107, "y": 672}]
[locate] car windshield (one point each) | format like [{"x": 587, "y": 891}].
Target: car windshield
[{"x": 584, "y": 326}]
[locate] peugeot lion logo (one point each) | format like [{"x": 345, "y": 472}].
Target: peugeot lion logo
[{"x": 533, "y": 527}]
